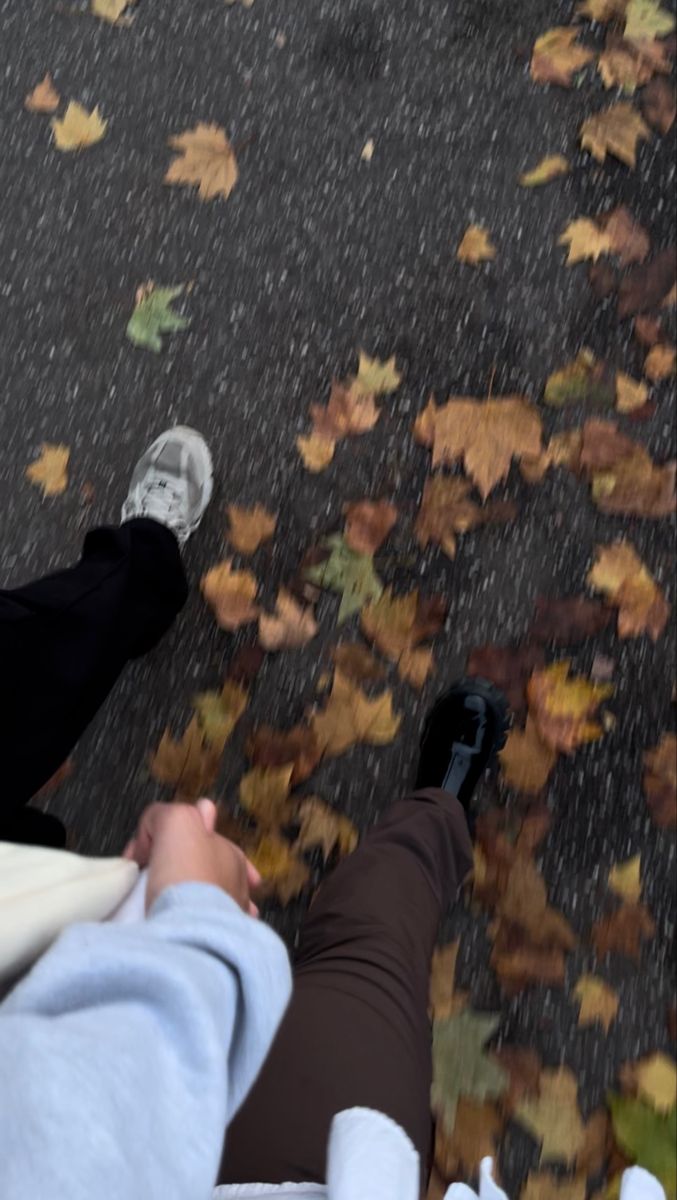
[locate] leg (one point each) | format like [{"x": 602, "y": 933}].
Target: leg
[{"x": 357, "y": 1031}]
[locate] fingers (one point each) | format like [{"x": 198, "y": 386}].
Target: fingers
[
  {"x": 253, "y": 876},
  {"x": 207, "y": 810}
]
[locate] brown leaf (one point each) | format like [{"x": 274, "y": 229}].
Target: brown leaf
[
  {"x": 245, "y": 665},
  {"x": 543, "y": 1186},
  {"x": 349, "y": 411},
  {"x": 249, "y": 527},
  {"x": 526, "y": 761},
  {"x": 44, "y": 98},
  {"x": 316, "y": 451},
  {"x": 524, "y": 1069},
  {"x": 321, "y": 826},
  {"x": 562, "y": 707},
  {"x": 647, "y": 330},
  {"x": 475, "y": 1135},
  {"x": 351, "y": 716},
  {"x": 621, "y": 932},
  {"x": 525, "y": 904},
  {"x": 510, "y": 669},
  {"x": 615, "y": 131},
  {"x": 627, "y": 65},
  {"x": 621, "y": 575},
  {"x": 628, "y": 240},
  {"x": 355, "y": 662},
  {"x": 291, "y": 627},
  {"x": 554, "y": 1118},
  {"x": 284, "y": 874},
  {"x": 660, "y": 781},
  {"x": 447, "y": 511},
  {"x": 268, "y": 747},
  {"x": 593, "y": 1154},
  {"x": 603, "y": 279},
  {"x": 659, "y": 105},
  {"x": 188, "y": 764},
  {"x": 661, "y": 362},
  {"x": 558, "y": 56},
  {"x": 487, "y": 435},
  {"x": 598, "y": 1001},
  {"x": 445, "y": 1001},
  {"x": 368, "y": 524},
  {"x": 50, "y": 470},
  {"x": 206, "y": 158},
  {"x": 645, "y": 286},
  {"x": 519, "y": 964},
  {"x": 230, "y": 594},
  {"x": 631, "y": 394},
  {"x": 264, "y": 795},
  {"x": 569, "y": 620},
  {"x": 475, "y": 246},
  {"x": 623, "y": 476},
  {"x": 397, "y": 624}
]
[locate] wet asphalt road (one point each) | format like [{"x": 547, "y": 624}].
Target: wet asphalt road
[{"x": 315, "y": 254}]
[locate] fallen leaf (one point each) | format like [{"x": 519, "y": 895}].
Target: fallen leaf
[
  {"x": 316, "y": 451},
  {"x": 549, "y": 168},
  {"x": 653, "y": 1079},
  {"x": 446, "y": 511},
  {"x": 444, "y": 1000},
  {"x": 562, "y": 707},
  {"x": 647, "y": 1138},
  {"x": 368, "y": 150},
  {"x": 187, "y": 764},
  {"x": 264, "y": 795},
  {"x": 585, "y": 239},
  {"x": 557, "y": 56},
  {"x": 543, "y": 1186},
  {"x": 475, "y": 246},
  {"x": 603, "y": 279},
  {"x": 368, "y": 524},
  {"x": 50, "y": 470},
  {"x": 461, "y": 1066},
  {"x": 357, "y": 663},
  {"x": 601, "y": 10},
  {"x": 153, "y": 316},
  {"x": 44, "y": 98},
  {"x": 659, "y": 105},
  {"x": 110, "y": 10},
  {"x": 570, "y": 620},
  {"x": 660, "y": 362},
  {"x": 624, "y": 478},
  {"x": 291, "y": 626},
  {"x": 55, "y": 780},
  {"x": 598, "y": 1001},
  {"x": 645, "y": 286},
  {"x": 526, "y": 761},
  {"x": 621, "y": 575},
  {"x": 583, "y": 381},
  {"x": 525, "y": 903},
  {"x": 249, "y": 527},
  {"x": 351, "y": 716},
  {"x": 625, "y": 880},
  {"x": 268, "y": 747},
  {"x": 231, "y": 595},
  {"x": 621, "y": 931},
  {"x": 78, "y": 128},
  {"x": 647, "y": 330},
  {"x": 616, "y": 131},
  {"x": 350, "y": 574},
  {"x": 246, "y": 663},
  {"x": 625, "y": 64},
  {"x": 563, "y": 450},
  {"x": 376, "y": 377},
  {"x": 476, "y": 1130},
  {"x": 321, "y": 826},
  {"x": 487, "y": 435},
  {"x": 397, "y": 624},
  {"x": 510, "y": 669},
  {"x": 646, "y": 19},
  {"x": 219, "y": 712},
  {"x": 629, "y": 240},
  {"x": 524, "y": 1068},
  {"x": 553, "y": 1118},
  {"x": 519, "y": 964},
  {"x": 437, "y": 1186},
  {"x": 348, "y": 412},
  {"x": 631, "y": 394},
  {"x": 594, "y": 1153},
  {"x": 283, "y": 873},
  {"x": 660, "y": 781},
  {"x": 670, "y": 301},
  {"x": 206, "y": 158}
]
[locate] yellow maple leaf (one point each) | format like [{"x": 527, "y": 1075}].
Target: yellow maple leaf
[
  {"x": 598, "y": 1001},
  {"x": 660, "y": 362},
  {"x": 321, "y": 826},
  {"x": 526, "y": 760},
  {"x": 186, "y": 764},
  {"x": 655, "y": 1079},
  {"x": 475, "y": 246},
  {"x": 219, "y": 712},
  {"x": 396, "y": 624},
  {"x": 631, "y": 394},
  {"x": 111, "y": 10},
  {"x": 44, "y": 98},
  {"x": 249, "y": 527},
  {"x": 50, "y": 470},
  {"x": 283, "y": 873},
  {"x": 376, "y": 377},
  {"x": 616, "y": 131},
  {"x": 553, "y": 1117},
  {"x": 557, "y": 56},
  {"x": 316, "y": 451},
  {"x": 206, "y": 159},
  {"x": 231, "y": 595},
  {"x": 545, "y": 171},
  {"x": 291, "y": 626},
  {"x": 264, "y": 794},
  {"x": 645, "y": 19},
  {"x": 625, "y": 879},
  {"x": 351, "y": 716},
  {"x": 562, "y": 707},
  {"x": 585, "y": 240},
  {"x": 619, "y": 572},
  {"x": 78, "y": 128}
]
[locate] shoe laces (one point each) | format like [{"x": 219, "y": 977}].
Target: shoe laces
[{"x": 163, "y": 500}]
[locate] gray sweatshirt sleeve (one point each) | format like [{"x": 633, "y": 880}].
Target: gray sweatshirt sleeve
[{"x": 128, "y": 1048}]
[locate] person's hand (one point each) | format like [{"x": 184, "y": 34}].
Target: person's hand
[{"x": 178, "y": 844}]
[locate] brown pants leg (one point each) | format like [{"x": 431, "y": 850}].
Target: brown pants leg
[{"x": 357, "y": 1030}]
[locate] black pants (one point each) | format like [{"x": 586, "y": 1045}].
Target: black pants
[{"x": 64, "y": 640}]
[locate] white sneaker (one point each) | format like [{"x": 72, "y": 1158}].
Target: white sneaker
[{"x": 172, "y": 482}]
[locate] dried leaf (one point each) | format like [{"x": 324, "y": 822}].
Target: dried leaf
[
  {"x": 476, "y": 1130},
  {"x": 526, "y": 761},
  {"x": 268, "y": 747},
  {"x": 558, "y": 56},
  {"x": 625, "y": 879},
  {"x": 569, "y": 620},
  {"x": 543, "y": 1186},
  {"x": 321, "y": 826},
  {"x": 660, "y": 781},
  {"x": 44, "y": 98},
  {"x": 50, "y": 470},
  {"x": 206, "y": 159},
  {"x": 659, "y": 105},
  {"x": 78, "y": 128},
  {"x": 647, "y": 330},
  {"x": 661, "y": 362},
  {"x": 583, "y": 381},
  {"x": 598, "y": 1001},
  {"x": 525, "y": 903},
  {"x": 357, "y": 663},
  {"x": 447, "y": 511},
  {"x": 653, "y": 1079},
  {"x": 601, "y": 10},
  {"x": 553, "y": 1118},
  {"x": 461, "y": 1066},
  {"x": 510, "y": 669},
  {"x": 549, "y": 168},
  {"x": 111, "y": 10},
  {"x": 350, "y": 574},
  {"x": 153, "y": 316},
  {"x": 291, "y": 626},
  {"x": 368, "y": 150},
  {"x": 231, "y": 595},
  {"x": 646, "y": 19},
  {"x": 187, "y": 764},
  {"x": 249, "y": 527},
  {"x": 445, "y": 1001},
  {"x": 316, "y": 451},
  {"x": 368, "y": 524},
  {"x": 627, "y": 65},
  {"x": 245, "y": 665},
  {"x": 348, "y": 412},
  {"x": 616, "y": 131},
  {"x": 631, "y": 394},
  {"x": 645, "y": 286},
  {"x": 351, "y": 716},
  {"x": 219, "y": 712},
  {"x": 621, "y": 575},
  {"x": 621, "y": 931},
  {"x": 524, "y": 1068},
  {"x": 475, "y": 246},
  {"x": 647, "y": 1138},
  {"x": 629, "y": 240},
  {"x": 264, "y": 794},
  {"x": 562, "y": 707},
  {"x": 397, "y": 624},
  {"x": 376, "y": 377},
  {"x": 284, "y": 874}
]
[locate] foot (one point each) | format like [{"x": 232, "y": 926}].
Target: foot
[
  {"x": 461, "y": 737},
  {"x": 172, "y": 482}
]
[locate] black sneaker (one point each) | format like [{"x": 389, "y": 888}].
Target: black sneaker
[{"x": 462, "y": 736}]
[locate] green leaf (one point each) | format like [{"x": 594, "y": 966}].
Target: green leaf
[
  {"x": 460, "y": 1066},
  {"x": 349, "y": 573},
  {"x": 647, "y": 1137},
  {"x": 153, "y": 317},
  {"x": 585, "y": 380}
]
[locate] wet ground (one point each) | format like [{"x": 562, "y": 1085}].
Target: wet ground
[{"x": 315, "y": 254}]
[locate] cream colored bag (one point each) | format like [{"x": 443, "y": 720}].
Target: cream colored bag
[{"x": 42, "y": 891}]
